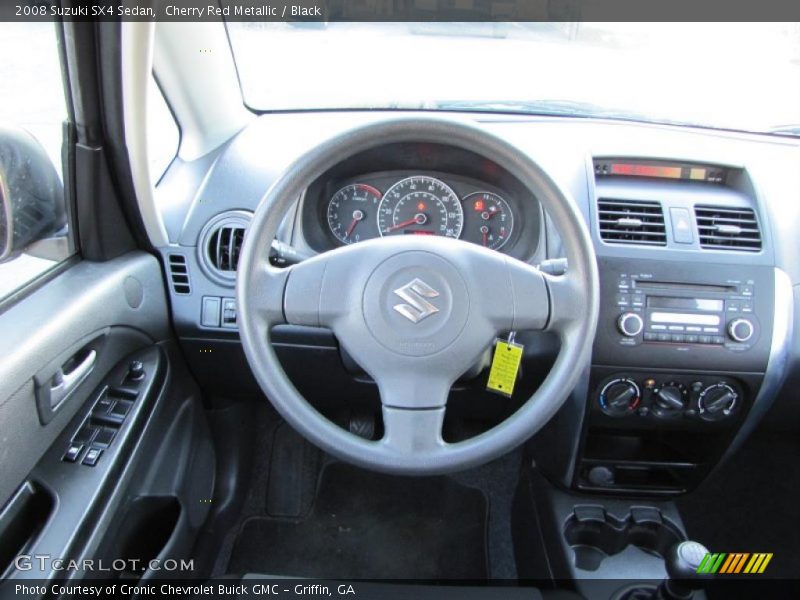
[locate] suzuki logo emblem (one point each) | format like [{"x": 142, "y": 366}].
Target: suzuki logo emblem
[{"x": 416, "y": 307}]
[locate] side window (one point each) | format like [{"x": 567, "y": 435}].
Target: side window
[{"x": 34, "y": 231}]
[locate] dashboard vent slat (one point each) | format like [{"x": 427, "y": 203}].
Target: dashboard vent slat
[
  {"x": 220, "y": 245},
  {"x": 631, "y": 222},
  {"x": 225, "y": 245},
  {"x": 179, "y": 274},
  {"x": 724, "y": 228}
]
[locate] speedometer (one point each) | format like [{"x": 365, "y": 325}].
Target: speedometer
[{"x": 420, "y": 206}]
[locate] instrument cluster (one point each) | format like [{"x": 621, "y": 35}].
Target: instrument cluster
[{"x": 428, "y": 204}]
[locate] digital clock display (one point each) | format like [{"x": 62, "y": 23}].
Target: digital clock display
[{"x": 684, "y": 172}]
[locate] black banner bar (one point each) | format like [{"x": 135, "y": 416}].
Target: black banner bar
[{"x": 321, "y": 11}]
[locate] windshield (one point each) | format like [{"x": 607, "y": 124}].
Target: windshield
[{"x": 743, "y": 76}]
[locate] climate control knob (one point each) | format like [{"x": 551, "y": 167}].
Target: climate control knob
[
  {"x": 630, "y": 324},
  {"x": 717, "y": 401},
  {"x": 669, "y": 399},
  {"x": 741, "y": 330},
  {"x": 620, "y": 397}
]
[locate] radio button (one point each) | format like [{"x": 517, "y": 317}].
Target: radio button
[
  {"x": 676, "y": 327},
  {"x": 740, "y": 330},
  {"x": 691, "y": 339},
  {"x": 710, "y": 330},
  {"x": 705, "y": 339},
  {"x": 678, "y": 338},
  {"x": 718, "y": 339},
  {"x": 650, "y": 337},
  {"x": 630, "y": 324},
  {"x": 663, "y": 337}
]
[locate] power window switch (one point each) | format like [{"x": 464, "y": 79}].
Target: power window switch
[
  {"x": 72, "y": 453},
  {"x": 103, "y": 405},
  {"x": 105, "y": 436},
  {"x": 84, "y": 435},
  {"x": 126, "y": 393},
  {"x": 121, "y": 409},
  {"x": 92, "y": 456}
]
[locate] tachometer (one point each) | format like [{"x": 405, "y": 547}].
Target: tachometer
[
  {"x": 420, "y": 206},
  {"x": 488, "y": 220},
  {"x": 352, "y": 211}
]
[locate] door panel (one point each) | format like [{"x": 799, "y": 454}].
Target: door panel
[{"x": 111, "y": 309}]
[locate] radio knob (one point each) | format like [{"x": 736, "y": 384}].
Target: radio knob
[
  {"x": 630, "y": 324},
  {"x": 740, "y": 330}
]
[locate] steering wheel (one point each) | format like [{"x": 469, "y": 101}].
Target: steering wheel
[{"x": 416, "y": 312}]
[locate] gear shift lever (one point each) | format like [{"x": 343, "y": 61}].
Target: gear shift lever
[{"x": 682, "y": 561}]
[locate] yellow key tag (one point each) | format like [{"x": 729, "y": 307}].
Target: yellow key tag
[{"x": 505, "y": 366}]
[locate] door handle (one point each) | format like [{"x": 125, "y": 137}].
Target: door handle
[{"x": 64, "y": 383}]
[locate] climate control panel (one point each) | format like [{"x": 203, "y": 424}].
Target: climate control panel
[{"x": 668, "y": 397}]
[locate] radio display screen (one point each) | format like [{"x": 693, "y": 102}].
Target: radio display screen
[{"x": 706, "y": 304}]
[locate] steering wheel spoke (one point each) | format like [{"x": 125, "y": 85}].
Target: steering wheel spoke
[
  {"x": 264, "y": 295},
  {"x": 529, "y": 296},
  {"x": 319, "y": 291},
  {"x": 410, "y": 432}
]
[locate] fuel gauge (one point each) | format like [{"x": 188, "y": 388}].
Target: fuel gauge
[{"x": 488, "y": 220}]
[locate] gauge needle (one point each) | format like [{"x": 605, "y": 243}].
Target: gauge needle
[
  {"x": 485, "y": 234},
  {"x": 357, "y": 216},
  {"x": 486, "y": 215},
  {"x": 418, "y": 219}
]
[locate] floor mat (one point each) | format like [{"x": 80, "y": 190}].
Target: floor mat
[
  {"x": 371, "y": 526},
  {"x": 751, "y": 504}
]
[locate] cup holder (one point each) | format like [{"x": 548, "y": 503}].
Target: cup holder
[{"x": 594, "y": 535}]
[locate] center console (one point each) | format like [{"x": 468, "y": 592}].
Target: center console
[
  {"x": 690, "y": 350},
  {"x": 679, "y": 359},
  {"x": 686, "y": 325}
]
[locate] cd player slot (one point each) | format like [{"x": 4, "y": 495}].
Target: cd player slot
[{"x": 649, "y": 284}]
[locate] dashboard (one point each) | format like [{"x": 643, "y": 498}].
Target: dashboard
[{"x": 694, "y": 233}]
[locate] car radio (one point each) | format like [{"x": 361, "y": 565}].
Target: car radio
[{"x": 671, "y": 312}]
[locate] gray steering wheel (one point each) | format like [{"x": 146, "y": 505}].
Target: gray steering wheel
[{"x": 416, "y": 312}]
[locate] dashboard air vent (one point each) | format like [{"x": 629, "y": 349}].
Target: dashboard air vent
[
  {"x": 224, "y": 246},
  {"x": 221, "y": 244},
  {"x": 722, "y": 228},
  {"x": 631, "y": 222},
  {"x": 179, "y": 274}
]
